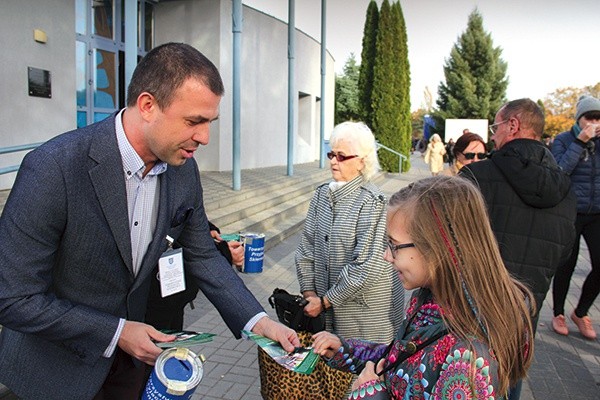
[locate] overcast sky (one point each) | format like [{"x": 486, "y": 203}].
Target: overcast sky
[{"x": 548, "y": 44}]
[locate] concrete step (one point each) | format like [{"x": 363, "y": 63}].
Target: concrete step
[
  {"x": 276, "y": 223},
  {"x": 280, "y": 221},
  {"x": 218, "y": 193},
  {"x": 247, "y": 206},
  {"x": 276, "y": 209}
]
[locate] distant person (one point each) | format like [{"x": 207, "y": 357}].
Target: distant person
[
  {"x": 577, "y": 151},
  {"x": 467, "y": 332},
  {"x": 90, "y": 215},
  {"x": 548, "y": 140},
  {"x": 469, "y": 148},
  {"x": 434, "y": 155},
  {"x": 465, "y": 131},
  {"x": 450, "y": 152},
  {"x": 531, "y": 207}
]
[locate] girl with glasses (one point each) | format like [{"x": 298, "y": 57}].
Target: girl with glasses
[{"x": 468, "y": 332}]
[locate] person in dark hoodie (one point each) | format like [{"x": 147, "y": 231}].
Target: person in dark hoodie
[{"x": 532, "y": 209}]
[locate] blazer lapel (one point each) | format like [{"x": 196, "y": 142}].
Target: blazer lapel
[
  {"x": 159, "y": 240},
  {"x": 113, "y": 198}
]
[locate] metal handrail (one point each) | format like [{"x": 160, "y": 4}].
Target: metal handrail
[
  {"x": 15, "y": 149},
  {"x": 400, "y": 155}
]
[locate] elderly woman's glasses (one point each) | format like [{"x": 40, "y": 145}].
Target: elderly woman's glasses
[
  {"x": 339, "y": 157},
  {"x": 471, "y": 156},
  {"x": 395, "y": 247}
]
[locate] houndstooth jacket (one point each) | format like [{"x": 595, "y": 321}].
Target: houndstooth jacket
[{"x": 341, "y": 256}]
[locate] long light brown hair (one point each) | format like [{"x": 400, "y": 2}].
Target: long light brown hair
[{"x": 447, "y": 220}]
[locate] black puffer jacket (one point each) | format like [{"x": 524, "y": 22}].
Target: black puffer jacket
[{"x": 532, "y": 210}]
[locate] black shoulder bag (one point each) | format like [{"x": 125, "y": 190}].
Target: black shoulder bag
[{"x": 290, "y": 312}]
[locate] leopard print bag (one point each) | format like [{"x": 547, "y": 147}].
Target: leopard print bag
[{"x": 324, "y": 383}]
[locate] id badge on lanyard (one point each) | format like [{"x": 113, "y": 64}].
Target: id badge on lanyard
[{"x": 170, "y": 270}]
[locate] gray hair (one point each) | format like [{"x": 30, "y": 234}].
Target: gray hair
[{"x": 363, "y": 143}]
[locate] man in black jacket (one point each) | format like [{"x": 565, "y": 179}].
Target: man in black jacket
[{"x": 531, "y": 207}]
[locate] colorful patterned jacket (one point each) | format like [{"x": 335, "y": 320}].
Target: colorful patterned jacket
[{"x": 438, "y": 371}]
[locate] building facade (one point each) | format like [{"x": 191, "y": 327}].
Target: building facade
[{"x": 63, "y": 66}]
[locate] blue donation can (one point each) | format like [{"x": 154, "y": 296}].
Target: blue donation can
[
  {"x": 176, "y": 375},
  {"x": 254, "y": 252}
]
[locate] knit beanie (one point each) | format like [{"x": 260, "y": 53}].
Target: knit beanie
[{"x": 586, "y": 104}]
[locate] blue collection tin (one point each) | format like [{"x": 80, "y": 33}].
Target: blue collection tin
[
  {"x": 254, "y": 252},
  {"x": 176, "y": 374}
]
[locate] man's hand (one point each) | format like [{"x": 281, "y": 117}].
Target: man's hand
[
  {"x": 275, "y": 331},
  {"x": 136, "y": 340},
  {"x": 237, "y": 252}
]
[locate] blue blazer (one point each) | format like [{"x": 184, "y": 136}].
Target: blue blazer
[{"x": 66, "y": 265}]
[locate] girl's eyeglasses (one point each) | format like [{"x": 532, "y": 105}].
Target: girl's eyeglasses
[
  {"x": 339, "y": 157},
  {"x": 395, "y": 247}
]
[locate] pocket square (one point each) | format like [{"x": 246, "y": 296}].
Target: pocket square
[{"x": 182, "y": 215}]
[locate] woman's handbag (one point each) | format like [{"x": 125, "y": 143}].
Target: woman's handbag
[{"x": 290, "y": 312}]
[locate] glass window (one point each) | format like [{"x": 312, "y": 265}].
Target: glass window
[
  {"x": 80, "y": 16},
  {"x": 81, "y": 82},
  {"x": 81, "y": 119},
  {"x": 148, "y": 26},
  {"x": 122, "y": 88},
  {"x": 103, "y": 18},
  {"x": 105, "y": 80},
  {"x": 100, "y": 116}
]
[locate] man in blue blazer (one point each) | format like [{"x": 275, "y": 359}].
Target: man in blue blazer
[{"x": 86, "y": 223}]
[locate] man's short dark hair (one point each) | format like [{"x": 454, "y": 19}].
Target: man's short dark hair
[
  {"x": 166, "y": 67},
  {"x": 528, "y": 112}
]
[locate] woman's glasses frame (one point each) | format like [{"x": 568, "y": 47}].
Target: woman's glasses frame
[
  {"x": 471, "y": 156},
  {"x": 339, "y": 157}
]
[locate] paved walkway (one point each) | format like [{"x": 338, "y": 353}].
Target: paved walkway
[{"x": 564, "y": 367}]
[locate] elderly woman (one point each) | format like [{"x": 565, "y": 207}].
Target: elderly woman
[
  {"x": 469, "y": 148},
  {"x": 434, "y": 155},
  {"x": 339, "y": 261}
]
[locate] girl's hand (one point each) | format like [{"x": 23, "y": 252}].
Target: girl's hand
[
  {"x": 326, "y": 344},
  {"x": 368, "y": 374}
]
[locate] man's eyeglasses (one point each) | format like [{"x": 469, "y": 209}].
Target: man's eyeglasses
[
  {"x": 471, "y": 156},
  {"x": 395, "y": 247},
  {"x": 339, "y": 157},
  {"x": 494, "y": 127}
]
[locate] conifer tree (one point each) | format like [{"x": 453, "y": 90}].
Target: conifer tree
[
  {"x": 391, "y": 86},
  {"x": 365, "y": 78},
  {"x": 346, "y": 93},
  {"x": 476, "y": 81},
  {"x": 405, "y": 128}
]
